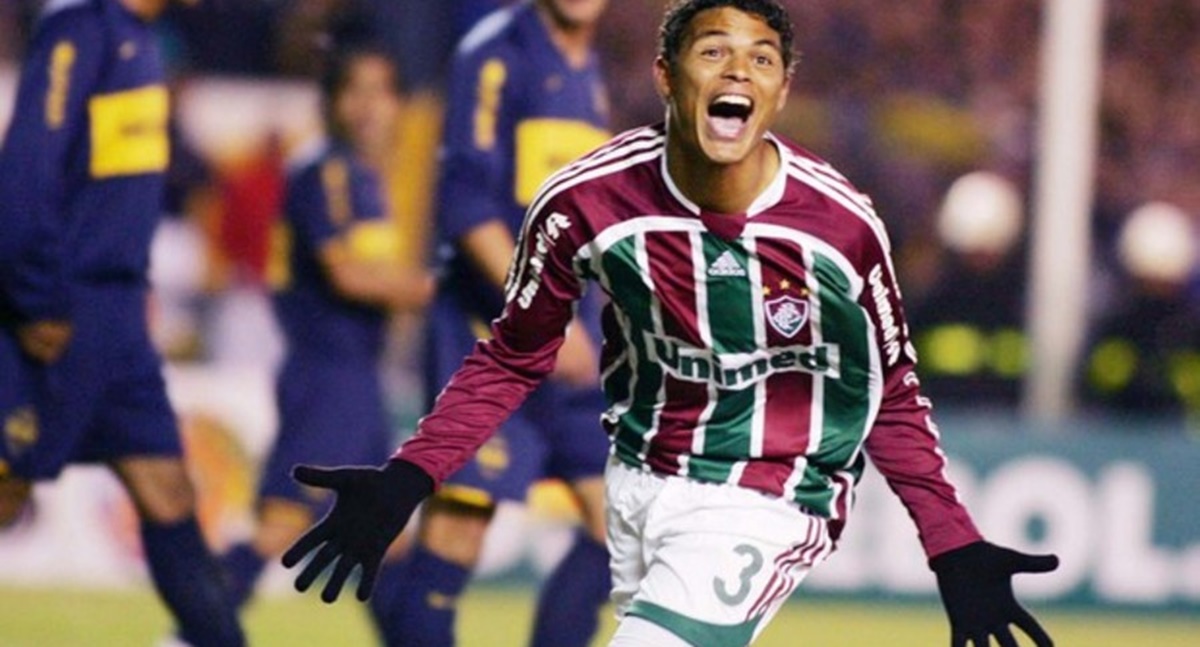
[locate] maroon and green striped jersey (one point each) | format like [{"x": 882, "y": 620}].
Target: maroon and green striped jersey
[{"x": 765, "y": 349}]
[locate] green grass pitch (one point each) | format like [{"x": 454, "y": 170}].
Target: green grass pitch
[{"x": 499, "y": 616}]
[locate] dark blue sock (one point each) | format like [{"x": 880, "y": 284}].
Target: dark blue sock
[
  {"x": 389, "y": 583},
  {"x": 419, "y": 600},
  {"x": 241, "y": 565},
  {"x": 189, "y": 581},
  {"x": 569, "y": 605}
]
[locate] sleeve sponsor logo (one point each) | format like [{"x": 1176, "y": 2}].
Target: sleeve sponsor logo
[
  {"x": 886, "y": 314},
  {"x": 545, "y": 236}
]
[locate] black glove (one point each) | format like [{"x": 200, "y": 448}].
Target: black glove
[
  {"x": 976, "y": 586},
  {"x": 373, "y": 505}
]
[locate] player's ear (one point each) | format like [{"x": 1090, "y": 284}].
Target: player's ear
[
  {"x": 662, "y": 78},
  {"x": 783, "y": 94}
]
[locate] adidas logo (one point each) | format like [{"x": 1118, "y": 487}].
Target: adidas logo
[{"x": 726, "y": 265}]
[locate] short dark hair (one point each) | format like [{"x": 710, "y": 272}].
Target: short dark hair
[
  {"x": 339, "y": 63},
  {"x": 680, "y": 14},
  {"x": 336, "y": 75}
]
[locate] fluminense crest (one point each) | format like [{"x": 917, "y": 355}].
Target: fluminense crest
[{"x": 787, "y": 314}]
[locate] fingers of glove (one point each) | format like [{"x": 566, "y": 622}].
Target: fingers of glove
[
  {"x": 333, "y": 586},
  {"x": 958, "y": 639},
  {"x": 315, "y": 536},
  {"x": 1018, "y": 562},
  {"x": 322, "y": 477},
  {"x": 980, "y": 639},
  {"x": 1035, "y": 563},
  {"x": 366, "y": 580},
  {"x": 316, "y": 565},
  {"x": 1004, "y": 637},
  {"x": 1030, "y": 626}
]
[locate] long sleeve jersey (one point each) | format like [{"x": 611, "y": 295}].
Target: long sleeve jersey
[
  {"x": 767, "y": 349},
  {"x": 81, "y": 170}
]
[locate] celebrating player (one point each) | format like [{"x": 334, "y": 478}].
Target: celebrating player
[
  {"x": 756, "y": 354},
  {"x": 340, "y": 279},
  {"x": 525, "y": 97},
  {"x": 81, "y": 180}
]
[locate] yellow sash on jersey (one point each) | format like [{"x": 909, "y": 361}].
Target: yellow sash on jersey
[
  {"x": 129, "y": 132},
  {"x": 546, "y": 145}
]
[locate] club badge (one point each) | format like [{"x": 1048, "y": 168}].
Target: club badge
[{"x": 787, "y": 314}]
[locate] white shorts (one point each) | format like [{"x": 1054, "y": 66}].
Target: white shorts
[{"x": 710, "y": 562}]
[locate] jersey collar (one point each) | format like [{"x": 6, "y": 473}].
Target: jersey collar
[{"x": 770, "y": 196}]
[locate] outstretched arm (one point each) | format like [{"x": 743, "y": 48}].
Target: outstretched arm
[{"x": 974, "y": 577}]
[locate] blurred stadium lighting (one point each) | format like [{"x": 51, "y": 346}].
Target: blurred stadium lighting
[{"x": 1072, "y": 32}]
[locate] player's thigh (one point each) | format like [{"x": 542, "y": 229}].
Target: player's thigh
[
  {"x": 14, "y": 495},
  {"x": 280, "y": 523},
  {"x": 454, "y": 530},
  {"x": 589, "y": 492},
  {"x": 722, "y": 560},
  {"x": 159, "y": 486}
]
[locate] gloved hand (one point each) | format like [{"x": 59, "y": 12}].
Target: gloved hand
[
  {"x": 975, "y": 582},
  {"x": 373, "y": 505}
]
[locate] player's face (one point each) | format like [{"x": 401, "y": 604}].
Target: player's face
[
  {"x": 575, "y": 13},
  {"x": 727, "y": 85},
  {"x": 367, "y": 106}
]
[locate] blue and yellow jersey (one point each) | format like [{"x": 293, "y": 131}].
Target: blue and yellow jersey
[
  {"x": 335, "y": 198},
  {"x": 81, "y": 171},
  {"x": 517, "y": 111}
]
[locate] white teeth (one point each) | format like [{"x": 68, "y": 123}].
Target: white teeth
[{"x": 735, "y": 99}]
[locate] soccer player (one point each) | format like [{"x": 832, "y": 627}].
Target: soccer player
[
  {"x": 756, "y": 354},
  {"x": 337, "y": 278},
  {"x": 525, "y": 98},
  {"x": 81, "y": 180}
]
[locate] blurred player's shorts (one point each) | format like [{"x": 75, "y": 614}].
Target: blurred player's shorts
[{"x": 20, "y": 423}]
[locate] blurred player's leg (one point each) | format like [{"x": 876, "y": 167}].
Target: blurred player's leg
[
  {"x": 567, "y": 612},
  {"x": 280, "y": 522},
  {"x": 14, "y": 494},
  {"x": 183, "y": 569},
  {"x": 416, "y": 601}
]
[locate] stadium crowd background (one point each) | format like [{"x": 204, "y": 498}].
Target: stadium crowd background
[{"x": 905, "y": 101}]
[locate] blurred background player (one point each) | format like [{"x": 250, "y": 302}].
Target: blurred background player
[
  {"x": 81, "y": 182},
  {"x": 1143, "y": 361},
  {"x": 969, "y": 326},
  {"x": 337, "y": 279},
  {"x": 525, "y": 97}
]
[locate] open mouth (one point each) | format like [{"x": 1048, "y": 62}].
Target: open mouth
[{"x": 728, "y": 114}]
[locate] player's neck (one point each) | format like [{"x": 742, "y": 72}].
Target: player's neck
[
  {"x": 573, "y": 41},
  {"x": 722, "y": 188}
]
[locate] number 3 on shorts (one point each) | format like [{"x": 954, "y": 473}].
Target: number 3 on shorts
[{"x": 721, "y": 588}]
